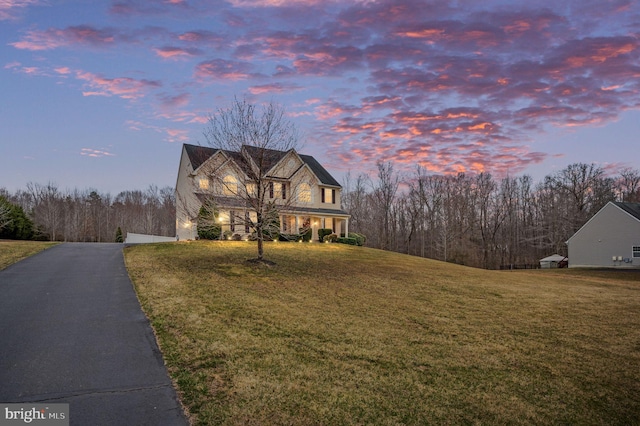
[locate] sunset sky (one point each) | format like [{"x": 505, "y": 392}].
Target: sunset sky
[{"x": 102, "y": 94}]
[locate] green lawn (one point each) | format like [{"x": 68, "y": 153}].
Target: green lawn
[
  {"x": 13, "y": 251},
  {"x": 341, "y": 335}
]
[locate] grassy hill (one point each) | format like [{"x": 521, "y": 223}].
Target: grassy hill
[{"x": 347, "y": 335}]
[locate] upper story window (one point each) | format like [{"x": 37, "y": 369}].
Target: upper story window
[
  {"x": 252, "y": 189},
  {"x": 278, "y": 190},
  {"x": 203, "y": 183},
  {"x": 304, "y": 193},
  {"x": 230, "y": 185},
  {"x": 328, "y": 195}
]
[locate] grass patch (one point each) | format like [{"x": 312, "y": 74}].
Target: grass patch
[
  {"x": 14, "y": 251},
  {"x": 335, "y": 334}
]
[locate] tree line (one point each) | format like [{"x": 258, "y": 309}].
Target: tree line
[
  {"x": 46, "y": 212},
  {"x": 478, "y": 220},
  {"x": 475, "y": 220}
]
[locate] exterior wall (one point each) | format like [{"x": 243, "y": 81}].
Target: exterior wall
[
  {"x": 187, "y": 204},
  {"x": 611, "y": 232}
]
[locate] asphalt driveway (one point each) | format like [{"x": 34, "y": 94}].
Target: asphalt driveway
[{"x": 72, "y": 331}]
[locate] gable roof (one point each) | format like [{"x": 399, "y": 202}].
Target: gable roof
[
  {"x": 632, "y": 208},
  {"x": 270, "y": 157},
  {"x": 318, "y": 170},
  {"x": 199, "y": 154}
]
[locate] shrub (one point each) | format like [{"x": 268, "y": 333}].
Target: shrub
[
  {"x": 236, "y": 237},
  {"x": 360, "y": 238},
  {"x": 227, "y": 234},
  {"x": 331, "y": 238},
  {"x": 350, "y": 241},
  {"x": 322, "y": 232},
  {"x": 306, "y": 234},
  {"x": 290, "y": 237}
]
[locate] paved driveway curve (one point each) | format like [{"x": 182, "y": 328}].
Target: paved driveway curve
[{"x": 72, "y": 331}]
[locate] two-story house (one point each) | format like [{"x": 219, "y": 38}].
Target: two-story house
[{"x": 307, "y": 195}]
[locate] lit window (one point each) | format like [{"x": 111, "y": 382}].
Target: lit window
[
  {"x": 304, "y": 193},
  {"x": 252, "y": 189},
  {"x": 229, "y": 185},
  {"x": 328, "y": 196},
  {"x": 277, "y": 190},
  {"x": 636, "y": 251},
  {"x": 203, "y": 183}
]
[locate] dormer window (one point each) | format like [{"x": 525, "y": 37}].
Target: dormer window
[{"x": 203, "y": 183}]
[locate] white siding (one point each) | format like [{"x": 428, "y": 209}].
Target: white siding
[{"x": 611, "y": 232}]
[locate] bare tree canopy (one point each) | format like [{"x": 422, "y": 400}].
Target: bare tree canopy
[
  {"x": 256, "y": 138},
  {"x": 5, "y": 213}
]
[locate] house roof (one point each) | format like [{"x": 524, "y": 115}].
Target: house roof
[
  {"x": 319, "y": 171},
  {"x": 632, "y": 208},
  {"x": 199, "y": 154}
]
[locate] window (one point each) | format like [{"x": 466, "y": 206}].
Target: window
[
  {"x": 247, "y": 220},
  {"x": 229, "y": 185},
  {"x": 276, "y": 190},
  {"x": 203, "y": 183},
  {"x": 330, "y": 223},
  {"x": 328, "y": 195},
  {"x": 252, "y": 189},
  {"x": 284, "y": 191},
  {"x": 636, "y": 251},
  {"x": 304, "y": 193}
]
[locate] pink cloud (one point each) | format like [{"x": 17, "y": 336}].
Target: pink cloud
[
  {"x": 273, "y": 88},
  {"x": 172, "y": 135},
  {"x": 10, "y": 8},
  {"x": 124, "y": 87},
  {"x": 173, "y": 102},
  {"x": 221, "y": 69},
  {"x": 172, "y": 52},
  {"x": 77, "y": 35}
]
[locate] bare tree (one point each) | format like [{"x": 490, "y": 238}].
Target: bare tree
[
  {"x": 629, "y": 185},
  {"x": 256, "y": 137},
  {"x": 5, "y": 213},
  {"x": 384, "y": 194}
]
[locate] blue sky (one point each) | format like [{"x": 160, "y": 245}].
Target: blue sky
[{"x": 102, "y": 94}]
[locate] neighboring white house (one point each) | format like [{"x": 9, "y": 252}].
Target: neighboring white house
[
  {"x": 309, "y": 195},
  {"x": 553, "y": 261},
  {"x": 611, "y": 238}
]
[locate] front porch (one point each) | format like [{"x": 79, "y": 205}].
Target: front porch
[{"x": 294, "y": 224}]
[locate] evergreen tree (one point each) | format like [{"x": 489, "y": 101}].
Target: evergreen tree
[
  {"x": 18, "y": 225},
  {"x": 119, "y": 238}
]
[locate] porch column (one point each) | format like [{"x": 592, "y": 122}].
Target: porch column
[{"x": 346, "y": 227}]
